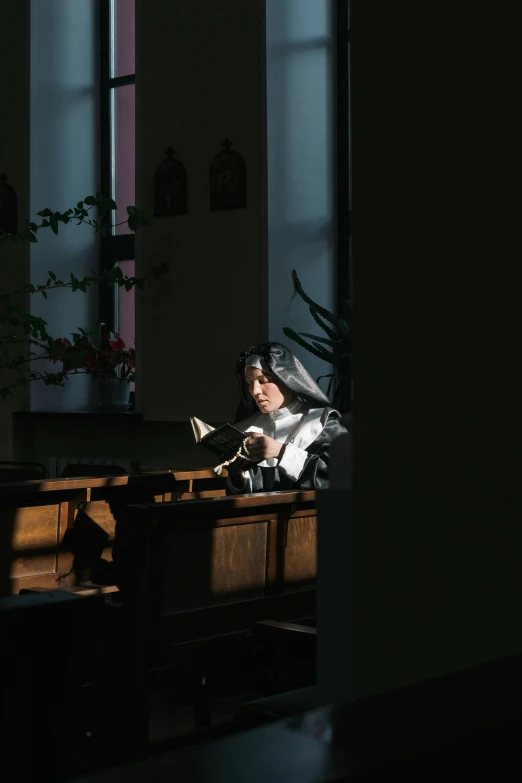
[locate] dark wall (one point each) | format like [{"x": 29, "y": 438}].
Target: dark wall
[
  {"x": 14, "y": 162},
  {"x": 437, "y": 166}
]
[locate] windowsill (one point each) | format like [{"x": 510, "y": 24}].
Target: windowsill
[{"x": 83, "y": 415}]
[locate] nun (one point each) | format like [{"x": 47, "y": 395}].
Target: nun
[{"x": 288, "y": 422}]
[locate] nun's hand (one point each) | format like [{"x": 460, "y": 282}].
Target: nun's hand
[{"x": 262, "y": 447}]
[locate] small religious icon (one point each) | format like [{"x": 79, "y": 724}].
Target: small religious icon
[
  {"x": 170, "y": 187},
  {"x": 8, "y": 207},
  {"x": 228, "y": 180}
]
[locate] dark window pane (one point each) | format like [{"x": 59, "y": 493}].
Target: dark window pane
[
  {"x": 122, "y": 28},
  {"x": 123, "y": 151}
]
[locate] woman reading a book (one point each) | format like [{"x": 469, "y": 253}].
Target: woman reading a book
[{"x": 288, "y": 421}]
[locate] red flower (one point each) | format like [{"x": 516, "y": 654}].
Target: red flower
[
  {"x": 61, "y": 345},
  {"x": 110, "y": 360},
  {"x": 116, "y": 342}
]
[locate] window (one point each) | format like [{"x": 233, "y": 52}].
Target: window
[{"x": 117, "y": 146}]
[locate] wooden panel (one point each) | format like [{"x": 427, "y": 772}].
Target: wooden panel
[
  {"x": 301, "y": 550},
  {"x": 208, "y": 567},
  {"x": 35, "y": 528},
  {"x": 239, "y": 559},
  {"x": 99, "y": 511}
]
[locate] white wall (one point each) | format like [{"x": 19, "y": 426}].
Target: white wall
[
  {"x": 64, "y": 169},
  {"x": 300, "y": 66}
]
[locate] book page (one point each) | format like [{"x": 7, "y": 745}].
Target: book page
[{"x": 200, "y": 428}]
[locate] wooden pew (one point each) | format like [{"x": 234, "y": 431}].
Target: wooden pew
[
  {"x": 228, "y": 558},
  {"x": 43, "y": 523},
  {"x": 196, "y": 575}
]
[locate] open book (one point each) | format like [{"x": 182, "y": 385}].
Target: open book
[{"x": 224, "y": 441}]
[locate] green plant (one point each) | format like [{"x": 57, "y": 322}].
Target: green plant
[
  {"x": 101, "y": 354},
  {"x": 335, "y": 347},
  {"x": 24, "y": 338}
]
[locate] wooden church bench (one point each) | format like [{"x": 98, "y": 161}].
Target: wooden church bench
[
  {"x": 43, "y": 522},
  {"x": 196, "y": 575}
]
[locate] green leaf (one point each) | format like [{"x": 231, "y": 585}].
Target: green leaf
[
  {"x": 51, "y": 275},
  {"x": 54, "y": 224},
  {"x": 318, "y": 309},
  {"x": 44, "y": 294},
  {"x": 79, "y": 205},
  {"x": 299, "y": 340},
  {"x": 324, "y": 340},
  {"x": 132, "y": 211},
  {"x": 324, "y": 326},
  {"x": 32, "y": 237},
  {"x": 44, "y": 213},
  {"x": 326, "y": 355},
  {"x": 90, "y": 200}
]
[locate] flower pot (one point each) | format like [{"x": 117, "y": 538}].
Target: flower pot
[{"x": 113, "y": 394}]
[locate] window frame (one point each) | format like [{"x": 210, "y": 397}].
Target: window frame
[{"x": 115, "y": 247}]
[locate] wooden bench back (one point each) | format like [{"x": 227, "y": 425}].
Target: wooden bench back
[
  {"x": 42, "y": 521},
  {"x": 218, "y": 565}
]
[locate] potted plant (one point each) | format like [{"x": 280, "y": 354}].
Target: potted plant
[
  {"x": 24, "y": 339},
  {"x": 103, "y": 355},
  {"x": 335, "y": 347}
]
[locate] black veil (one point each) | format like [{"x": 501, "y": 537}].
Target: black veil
[{"x": 287, "y": 369}]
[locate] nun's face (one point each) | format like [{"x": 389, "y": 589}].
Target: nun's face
[{"x": 269, "y": 393}]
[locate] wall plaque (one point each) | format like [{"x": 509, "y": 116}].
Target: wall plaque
[
  {"x": 228, "y": 180},
  {"x": 170, "y": 187}
]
